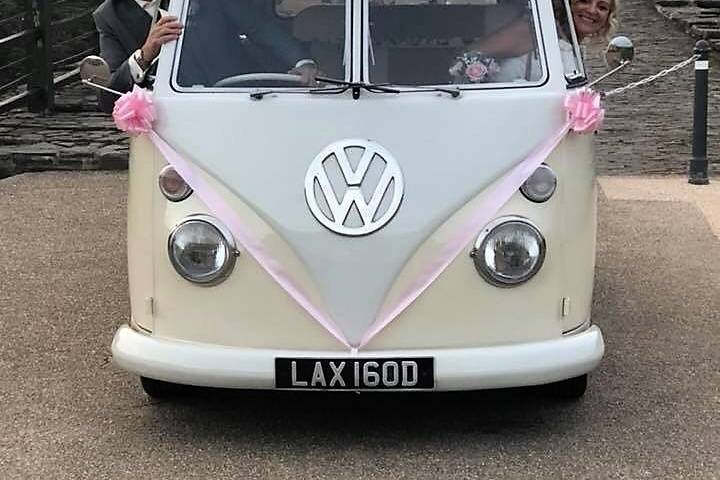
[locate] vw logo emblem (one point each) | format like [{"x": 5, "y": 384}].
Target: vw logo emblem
[{"x": 354, "y": 187}]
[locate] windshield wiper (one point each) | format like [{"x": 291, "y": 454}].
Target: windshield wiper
[
  {"x": 453, "y": 92},
  {"x": 343, "y": 86},
  {"x": 339, "y": 86}
]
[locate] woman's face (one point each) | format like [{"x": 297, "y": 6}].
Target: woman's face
[{"x": 590, "y": 16}]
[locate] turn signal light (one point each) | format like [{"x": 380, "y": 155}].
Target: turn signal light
[{"x": 172, "y": 185}]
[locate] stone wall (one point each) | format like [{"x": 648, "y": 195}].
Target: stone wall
[
  {"x": 76, "y": 137},
  {"x": 649, "y": 130},
  {"x": 699, "y": 18}
]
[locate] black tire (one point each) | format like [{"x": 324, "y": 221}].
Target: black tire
[
  {"x": 570, "y": 389},
  {"x": 159, "y": 389}
]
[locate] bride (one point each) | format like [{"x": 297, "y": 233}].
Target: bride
[{"x": 507, "y": 55}]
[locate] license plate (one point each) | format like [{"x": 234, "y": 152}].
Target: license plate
[{"x": 355, "y": 373}]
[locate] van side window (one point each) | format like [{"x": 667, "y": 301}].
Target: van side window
[{"x": 570, "y": 50}]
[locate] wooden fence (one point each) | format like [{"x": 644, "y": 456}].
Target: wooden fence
[{"x": 40, "y": 49}]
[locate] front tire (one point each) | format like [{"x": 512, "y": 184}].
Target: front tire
[
  {"x": 159, "y": 389},
  {"x": 570, "y": 389}
]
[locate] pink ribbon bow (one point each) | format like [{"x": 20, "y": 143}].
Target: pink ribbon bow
[
  {"x": 134, "y": 111},
  {"x": 584, "y": 113}
]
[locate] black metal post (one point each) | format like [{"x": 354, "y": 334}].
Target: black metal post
[
  {"x": 699, "y": 162},
  {"x": 40, "y": 86}
]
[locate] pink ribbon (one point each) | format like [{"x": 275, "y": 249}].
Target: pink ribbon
[
  {"x": 584, "y": 114},
  {"x": 485, "y": 211},
  {"x": 134, "y": 113}
]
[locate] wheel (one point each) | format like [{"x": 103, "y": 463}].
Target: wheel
[
  {"x": 571, "y": 389},
  {"x": 159, "y": 389}
]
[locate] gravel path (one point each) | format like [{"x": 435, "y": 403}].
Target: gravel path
[{"x": 66, "y": 412}]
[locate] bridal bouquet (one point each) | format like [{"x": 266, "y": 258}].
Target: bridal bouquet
[{"x": 473, "y": 67}]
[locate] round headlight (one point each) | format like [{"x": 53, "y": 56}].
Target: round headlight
[
  {"x": 201, "y": 250},
  {"x": 541, "y": 184},
  {"x": 172, "y": 185},
  {"x": 509, "y": 252}
]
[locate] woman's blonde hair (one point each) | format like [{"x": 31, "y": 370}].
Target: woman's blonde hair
[
  {"x": 613, "y": 21},
  {"x": 612, "y": 24},
  {"x": 605, "y": 33}
]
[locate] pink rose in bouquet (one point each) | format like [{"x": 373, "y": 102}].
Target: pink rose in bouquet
[{"x": 476, "y": 71}]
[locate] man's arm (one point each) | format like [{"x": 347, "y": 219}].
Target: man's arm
[
  {"x": 125, "y": 67},
  {"x": 511, "y": 41}
]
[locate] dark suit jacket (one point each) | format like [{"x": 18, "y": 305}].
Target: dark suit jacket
[{"x": 123, "y": 27}]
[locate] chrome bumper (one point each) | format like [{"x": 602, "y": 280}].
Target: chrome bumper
[{"x": 455, "y": 368}]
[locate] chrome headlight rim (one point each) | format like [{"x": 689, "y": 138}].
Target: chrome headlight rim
[
  {"x": 228, "y": 241},
  {"x": 524, "y": 188},
  {"x": 173, "y": 198},
  {"x": 478, "y": 248}
]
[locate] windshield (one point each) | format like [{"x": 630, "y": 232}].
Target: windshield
[
  {"x": 250, "y": 43},
  {"x": 469, "y": 42}
]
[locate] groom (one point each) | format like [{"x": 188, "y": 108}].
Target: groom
[
  {"x": 131, "y": 34},
  {"x": 133, "y": 31}
]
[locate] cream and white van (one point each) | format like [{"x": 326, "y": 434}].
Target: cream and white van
[{"x": 347, "y": 188}]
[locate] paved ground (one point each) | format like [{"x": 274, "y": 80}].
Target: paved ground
[
  {"x": 667, "y": 189},
  {"x": 67, "y": 413}
]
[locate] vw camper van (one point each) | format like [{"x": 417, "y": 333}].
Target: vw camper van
[{"x": 312, "y": 250}]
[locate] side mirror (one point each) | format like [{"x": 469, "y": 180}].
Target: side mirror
[
  {"x": 619, "y": 51},
  {"x": 94, "y": 71}
]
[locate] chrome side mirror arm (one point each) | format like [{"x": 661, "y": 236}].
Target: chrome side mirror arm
[
  {"x": 94, "y": 71},
  {"x": 612, "y": 72},
  {"x": 98, "y": 86},
  {"x": 619, "y": 54}
]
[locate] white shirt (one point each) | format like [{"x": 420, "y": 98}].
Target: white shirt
[
  {"x": 571, "y": 63},
  {"x": 151, "y": 7}
]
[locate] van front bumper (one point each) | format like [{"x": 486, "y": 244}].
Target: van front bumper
[{"x": 455, "y": 368}]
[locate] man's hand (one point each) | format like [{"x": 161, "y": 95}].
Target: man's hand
[
  {"x": 308, "y": 71},
  {"x": 166, "y": 29}
]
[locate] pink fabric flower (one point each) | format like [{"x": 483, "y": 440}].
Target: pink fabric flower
[
  {"x": 134, "y": 111},
  {"x": 476, "y": 71},
  {"x": 584, "y": 112}
]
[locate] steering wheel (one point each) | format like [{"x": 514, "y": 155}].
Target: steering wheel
[{"x": 239, "y": 80}]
